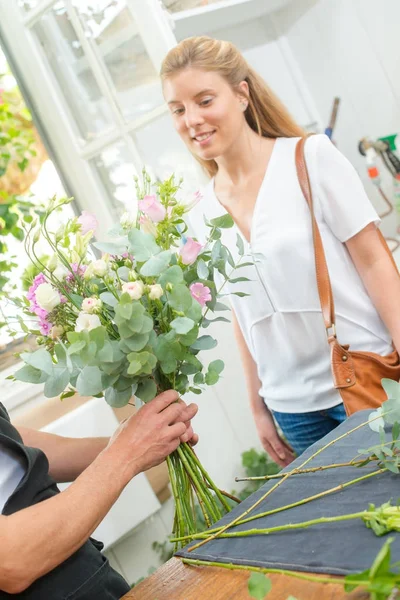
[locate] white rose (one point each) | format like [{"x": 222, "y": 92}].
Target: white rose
[
  {"x": 60, "y": 272},
  {"x": 90, "y": 305},
  {"x": 134, "y": 288},
  {"x": 100, "y": 267},
  {"x": 47, "y": 297},
  {"x": 56, "y": 331},
  {"x": 155, "y": 291},
  {"x": 86, "y": 322},
  {"x": 127, "y": 221}
]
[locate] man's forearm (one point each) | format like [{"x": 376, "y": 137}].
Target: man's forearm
[
  {"x": 37, "y": 539},
  {"x": 68, "y": 457}
]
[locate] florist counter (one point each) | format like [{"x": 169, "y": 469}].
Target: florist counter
[{"x": 339, "y": 548}]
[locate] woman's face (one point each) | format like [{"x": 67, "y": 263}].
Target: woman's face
[{"x": 207, "y": 113}]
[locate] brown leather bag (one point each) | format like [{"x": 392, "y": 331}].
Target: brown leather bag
[{"x": 357, "y": 375}]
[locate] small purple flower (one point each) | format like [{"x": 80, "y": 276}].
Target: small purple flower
[{"x": 78, "y": 270}]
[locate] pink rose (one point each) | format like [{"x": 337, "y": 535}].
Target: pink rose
[
  {"x": 190, "y": 251},
  {"x": 88, "y": 222},
  {"x": 152, "y": 208},
  {"x": 201, "y": 293}
]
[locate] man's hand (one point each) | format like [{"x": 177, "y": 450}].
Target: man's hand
[
  {"x": 149, "y": 436},
  {"x": 273, "y": 444}
]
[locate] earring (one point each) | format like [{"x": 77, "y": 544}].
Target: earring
[{"x": 244, "y": 105}]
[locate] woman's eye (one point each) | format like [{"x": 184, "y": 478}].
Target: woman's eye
[
  {"x": 178, "y": 111},
  {"x": 205, "y": 102}
]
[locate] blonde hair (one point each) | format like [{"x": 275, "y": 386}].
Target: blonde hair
[{"x": 265, "y": 113}]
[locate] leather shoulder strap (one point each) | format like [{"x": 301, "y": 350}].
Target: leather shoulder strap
[{"x": 321, "y": 267}]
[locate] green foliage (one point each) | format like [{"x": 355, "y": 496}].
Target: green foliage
[{"x": 259, "y": 586}]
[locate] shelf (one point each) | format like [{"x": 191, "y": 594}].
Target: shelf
[{"x": 204, "y": 20}]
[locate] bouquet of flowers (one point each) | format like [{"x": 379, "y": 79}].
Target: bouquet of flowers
[{"x": 124, "y": 318}]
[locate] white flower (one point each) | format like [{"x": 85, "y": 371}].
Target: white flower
[
  {"x": 127, "y": 221},
  {"x": 90, "y": 305},
  {"x": 47, "y": 297},
  {"x": 155, "y": 291},
  {"x": 56, "y": 331},
  {"x": 60, "y": 272},
  {"x": 86, "y": 322},
  {"x": 53, "y": 263},
  {"x": 100, "y": 267},
  {"x": 134, "y": 288},
  {"x": 375, "y": 420}
]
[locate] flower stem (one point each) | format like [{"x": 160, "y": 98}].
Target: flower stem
[
  {"x": 287, "y": 475},
  {"x": 350, "y": 463},
  {"x": 298, "y": 503},
  {"x": 296, "y": 575}
]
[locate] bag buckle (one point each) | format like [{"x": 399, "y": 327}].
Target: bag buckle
[{"x": 329, "y": 333}]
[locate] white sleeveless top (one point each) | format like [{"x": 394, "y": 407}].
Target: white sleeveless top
[
  {"x": 12, "y": 470},
  {"x": 281, "y": 320}
]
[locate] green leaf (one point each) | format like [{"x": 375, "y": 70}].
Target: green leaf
[
  {"x": 381, "y": 564},
  {"x": 216, "y": 251},
  {"x": 109, "y": 298},
  {"x": 117, "y": 248},
  {"x": 240, "y": 294},
  {"x": 118, "y": 399},
  {"x": 124, "y": 311},
  {"x": 56, "y": 383},
  {"x": 392, "y": 388},
  {"x": 198, "y": 379},
  {"x": 211, "y": 378},
  {"x": 142, "y": 245},
  {"x": 224, "y": 222},
  {"x": 123, "y": 273},
  {"x": 182, "y": 325},
  {"x": 147, "y": 390},
  {"x": 180, "y": 298},
  {"x": 259, "y": 586},
  {"x": 195, "y": 312},
  {"x": 173, "y": 275},
  {"x": 217, "y": 366},
  {"x": 156, "y": 265},
  {"x": 68, "y": 394},
  {"x": 202, "y": 269},
  {"x": 395, "y": 430},
  {"x": 220, "y": 306},
  {"x": 239, "y": 279},
  {"x": 29, "y": 374},
  {"x": 134, "y": 343},
  {"x": 76, "y": 347},
  {"x": 89, "y": 381},
  {"x": 98, "y": 336},
  {"x": 205, "y": 342},
  {"x": 206, "y": 322},
  {"x": 40, "y": 359},
  {"x": 195, "y": 390},
  {"x": 239, "y": 244}
]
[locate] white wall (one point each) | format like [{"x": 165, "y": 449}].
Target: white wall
[{"x": 350, "y": 49}]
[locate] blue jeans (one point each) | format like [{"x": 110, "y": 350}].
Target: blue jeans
[{"x": 303, "y": 429}]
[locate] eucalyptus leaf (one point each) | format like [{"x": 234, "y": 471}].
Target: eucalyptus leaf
[
  {"x": 56, "y": 383},
  {"x": 217, "y": 366},
  {"x": 89, "y": 381},
  {"x": 156, "y": 265},
  {"x": 211, "y": 378},
  {"x": 40, "y": 359},
  {"x": 109, "y": 298},
  {"x": 239, "y": 244},
  {"x": 146, "y": 390},
  {"x": 76, "y": 347},
  {"x": 29, "y": 374},
  {"x": 220, "y": 306},
  {"x": 117, "y": 399},
  {"x": 223, "y": 222},
  {"x": 116, "y": 248},
  {"x": 180, "y": 298},
  {"x": 142, "y": 245},
  {"x": 392, "y": 388},
  {"x": 205, "y": 342},
  {"x": 123, "y": 273},
  {"x": 182, "y": 324},
  {"x": 134, "y": 343},
  {"x": 202, "y": 269},
  {"x": 173, "y": 275}
]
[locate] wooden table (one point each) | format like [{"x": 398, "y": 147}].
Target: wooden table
[{"x": 176, "y": 581}]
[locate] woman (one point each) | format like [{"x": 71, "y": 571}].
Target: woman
[{"x": 245, "y": 140}]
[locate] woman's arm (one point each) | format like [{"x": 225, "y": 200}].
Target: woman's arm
[
  {"x": 68, "y": 457},
  {"x": 278, "y": 450},
  {"x": 379, "y": 275}
]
